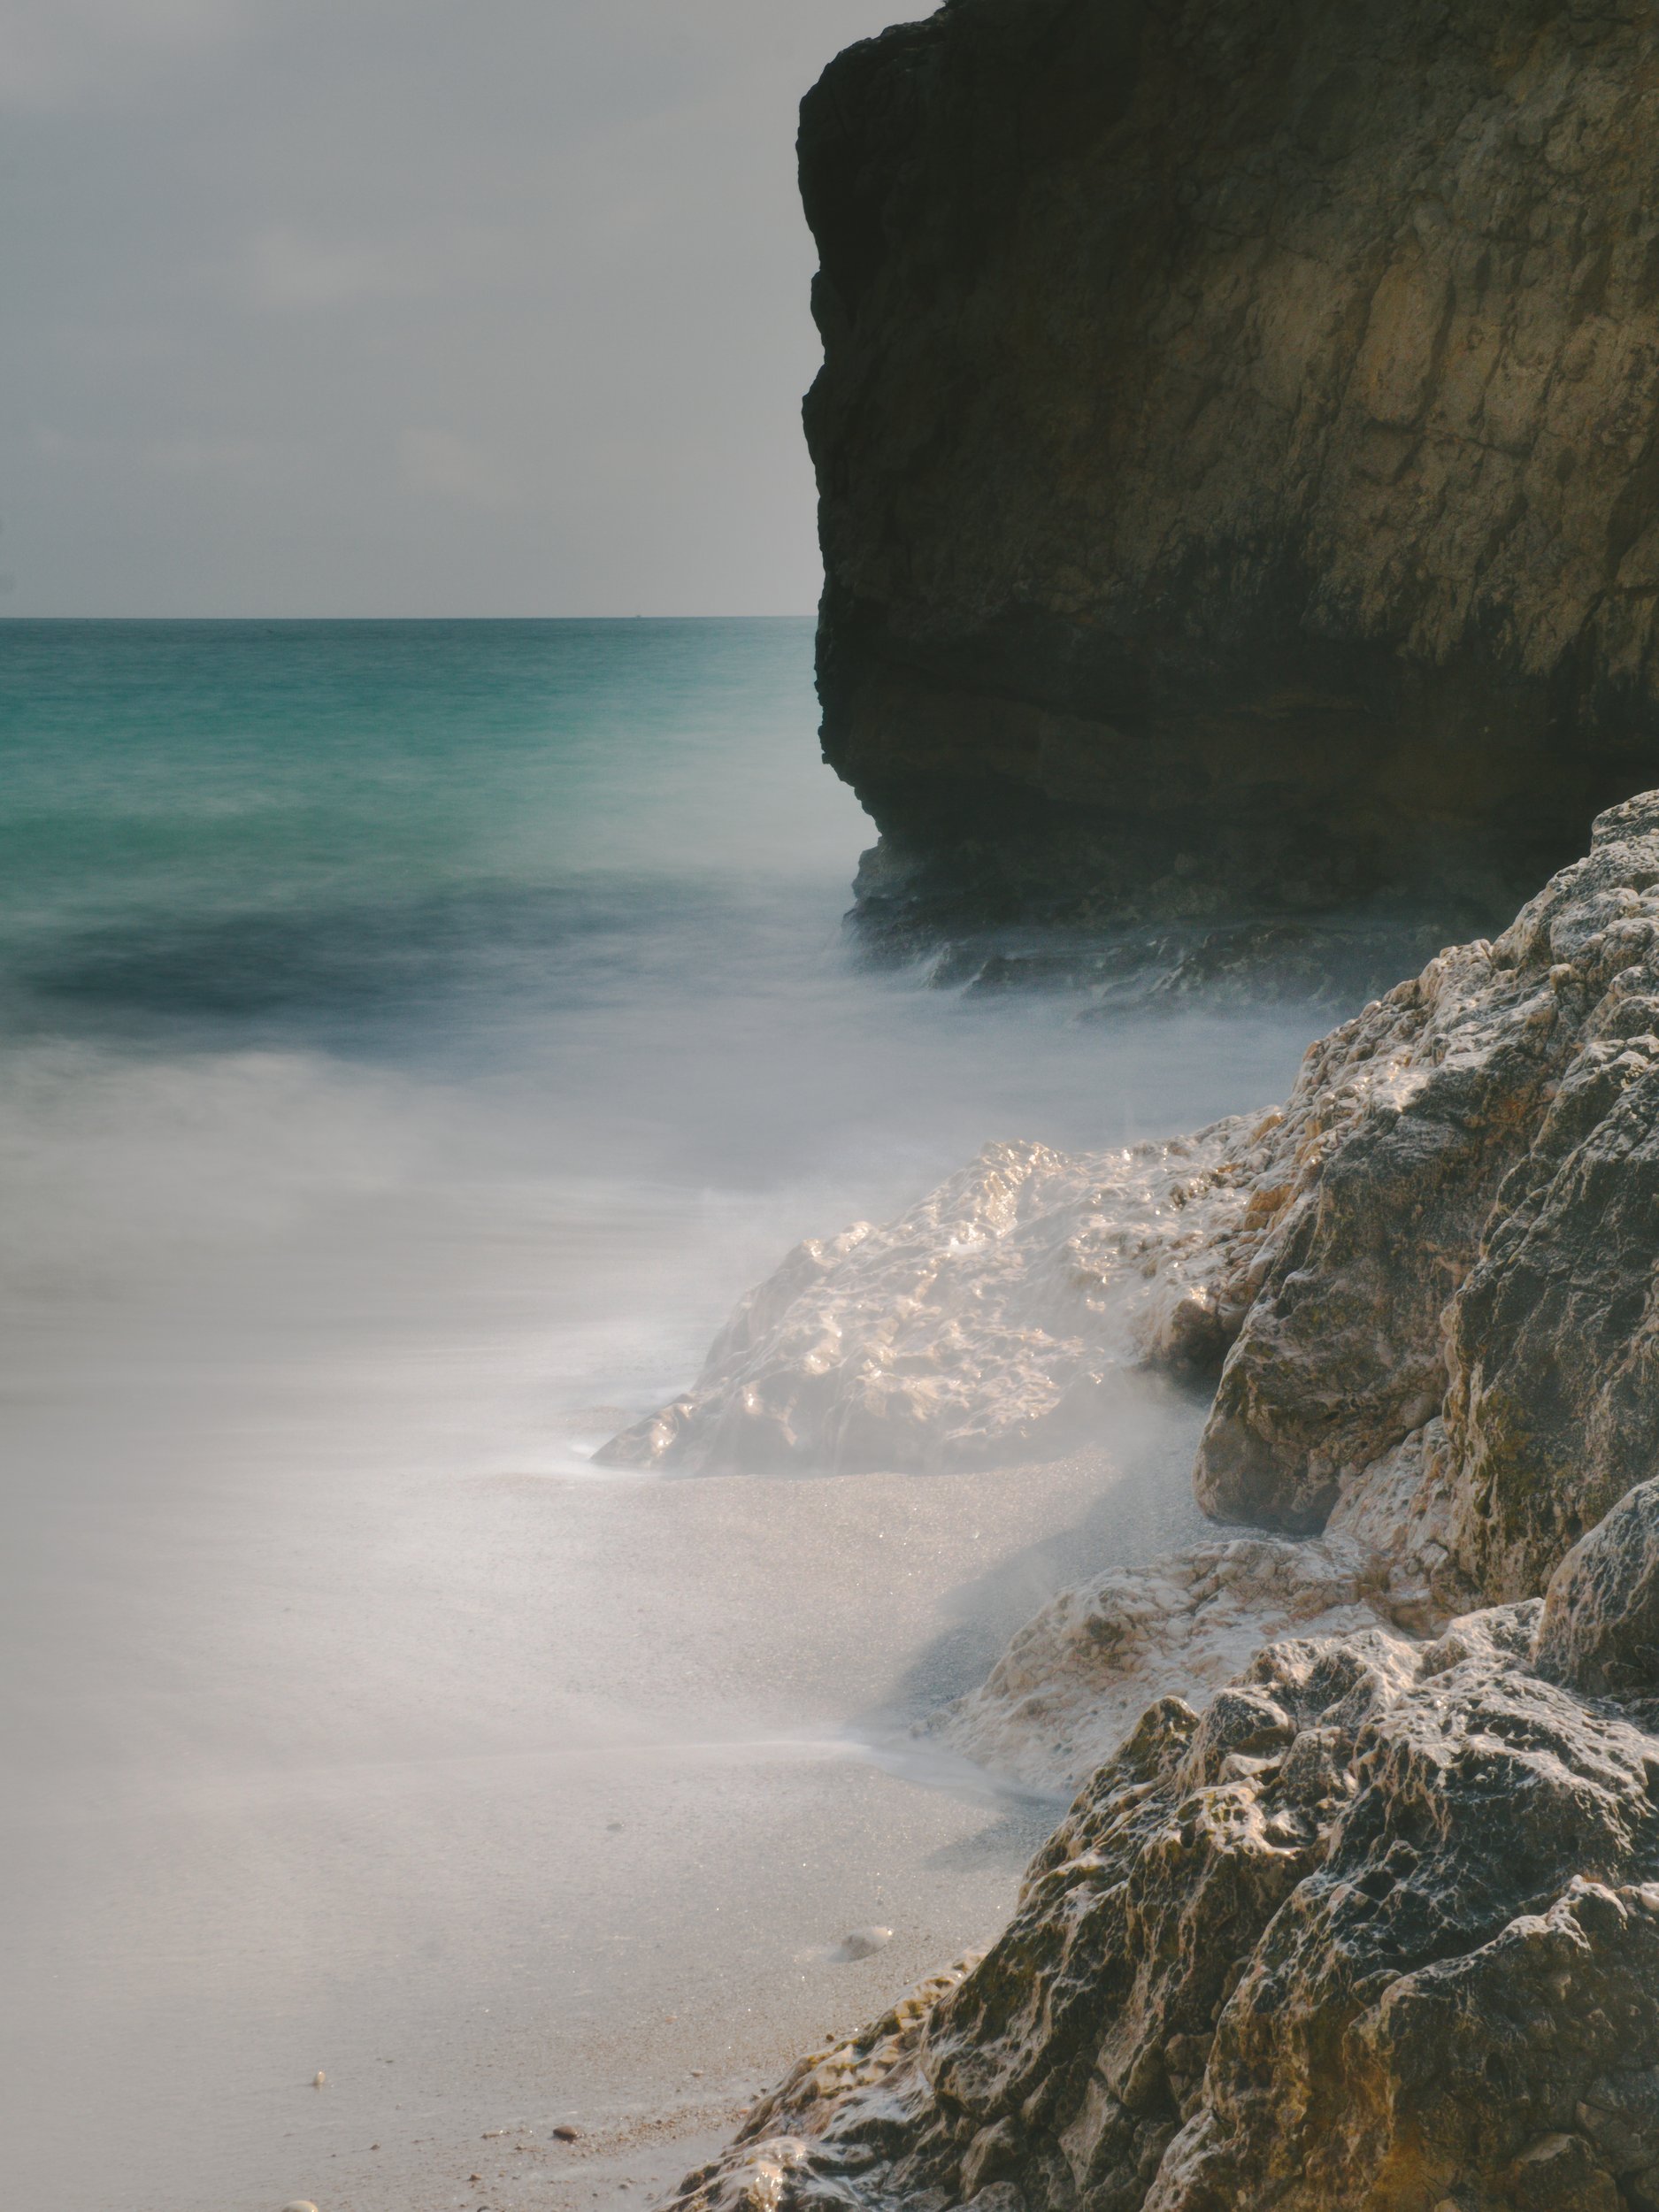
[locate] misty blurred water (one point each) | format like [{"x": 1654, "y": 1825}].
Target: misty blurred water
[{"x": 413, "y": 1037}]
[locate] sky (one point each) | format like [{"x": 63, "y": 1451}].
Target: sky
[{"x": 407, "y": 307}]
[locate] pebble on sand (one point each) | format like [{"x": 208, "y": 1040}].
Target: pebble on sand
[
  {"x": 860, "y": 1943},
  {"x": 318, "y": 2079},
  {"x": 565, "y": 2134},
  {"x": 300, "y": 2204}
]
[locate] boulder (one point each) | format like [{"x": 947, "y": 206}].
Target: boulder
[{"x": 1368, "y": 1921}]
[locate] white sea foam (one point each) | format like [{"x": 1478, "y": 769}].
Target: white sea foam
[
  {"x": 344, "y": 1723},
  {"x": 989, "y": 1322}
]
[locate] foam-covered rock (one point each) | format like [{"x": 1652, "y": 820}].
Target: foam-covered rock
[
  {"x": 985, "y": 1324},
  {"x": 1456, "y": 1196}
]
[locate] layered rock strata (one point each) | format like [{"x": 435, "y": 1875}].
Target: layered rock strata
[{"x": 1236, "y": 445}]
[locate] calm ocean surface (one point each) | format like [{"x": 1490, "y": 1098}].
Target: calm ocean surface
[{"x": 413, "y": 1037}]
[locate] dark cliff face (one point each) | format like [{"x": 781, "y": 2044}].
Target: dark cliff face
[{"x": 1238, "y": 441}]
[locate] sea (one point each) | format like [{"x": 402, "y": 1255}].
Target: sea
[{"x": 414, "y": 1037}]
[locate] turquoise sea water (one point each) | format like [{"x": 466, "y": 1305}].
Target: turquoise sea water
[
  {"x": 600, "y": 852},
  {"x": 413, "y": 1037},
  {"x": 308, "y": 823}
]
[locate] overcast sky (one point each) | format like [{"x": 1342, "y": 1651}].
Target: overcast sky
[{"x": 407, "y": 306}]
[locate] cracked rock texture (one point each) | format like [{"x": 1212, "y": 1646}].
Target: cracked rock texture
[
  {"x": 1237, "y": 445},
  {"x": 1378, "y": 1932},
  {"x": 1365, "y": 1920},
  {"x": 1426, "y": 1279}
]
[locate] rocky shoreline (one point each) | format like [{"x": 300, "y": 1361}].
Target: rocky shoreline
[{"x": 1359, "y": 1904}]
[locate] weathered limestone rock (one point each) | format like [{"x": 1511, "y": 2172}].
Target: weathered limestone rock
[
  {"x": 1377, "y": 1929},
  {"x": 1236, "y": 443},
  {"x": 1477, "y": 1237},
  {"x": 982, "y": 1326},
  {"x": 1377, "y": 1932},
  {"x": 1430, "y": 1274},
  {"x": 1600, "y": 1629},
  {"x": 1071, "y": 1684}
]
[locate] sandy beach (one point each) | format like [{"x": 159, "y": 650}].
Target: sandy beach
[{"x": 518, "y": 1800}]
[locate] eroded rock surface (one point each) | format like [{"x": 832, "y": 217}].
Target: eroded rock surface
[
  {"x": 1073, "y": 1681},
  {"x": 1478, "y": 1242},
  {"x": 1368, "y": 1921},
  {"x": 980, "y": 1326},
  {"x": 1378, "y": 1932},
  {"x": 1236, "y": 443},
  {"x": 1600, "y": 1630},
  {"x": 1427, "y": 1277}
]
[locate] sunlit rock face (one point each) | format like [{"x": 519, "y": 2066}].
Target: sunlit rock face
[
  {"x": 1379, "y": 1930},
  {"x": 1467, "y": 1269},
  {"x": 1357, "y": 1909},
  {"x": 1236, "y": 445},
  {"x": 1426, "y": 1280}
]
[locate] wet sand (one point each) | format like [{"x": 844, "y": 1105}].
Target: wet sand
[{"x": 507, "y": 1798}]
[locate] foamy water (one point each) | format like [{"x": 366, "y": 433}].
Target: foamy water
[{"x": 416, "y": 1037}]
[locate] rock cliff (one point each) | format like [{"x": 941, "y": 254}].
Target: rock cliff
[
  {"x": 1361, "y": 1913},
  {"x": 1238, "y": 445}
]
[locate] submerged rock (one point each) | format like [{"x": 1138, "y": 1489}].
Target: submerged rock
[{"x": 1235, "y": 446}]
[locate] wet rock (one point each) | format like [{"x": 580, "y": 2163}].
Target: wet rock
[
  {"x": 1463, "y": 1176},
  {"x": 988, "y": 1323}
]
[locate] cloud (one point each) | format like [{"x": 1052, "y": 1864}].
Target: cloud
[
  {"x": 285, "y": 272},
  {"x": 56, "y": 53},
  {"x": 458, "y": 468},
  {"x": 364, "y": 306}
]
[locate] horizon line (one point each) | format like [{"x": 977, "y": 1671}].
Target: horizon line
[{"x": 806, "y": 615}]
